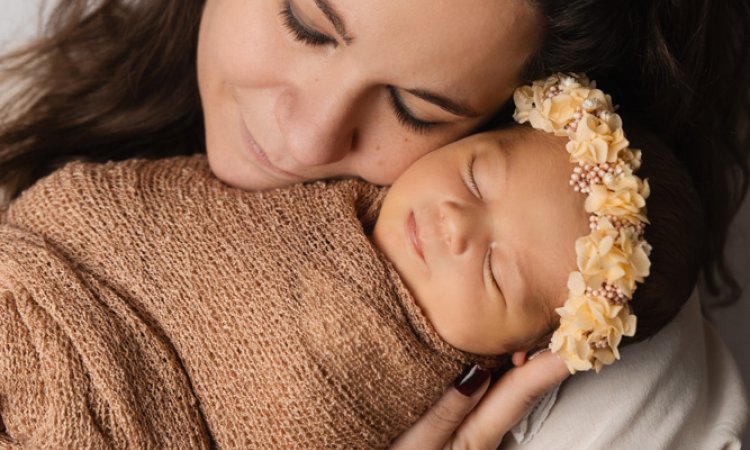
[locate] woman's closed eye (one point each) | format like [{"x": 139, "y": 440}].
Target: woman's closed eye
[
  {"x": 405, "y": 116},
  {"x": 308, "y": 35},
  {"x": 302, "y": 32}
]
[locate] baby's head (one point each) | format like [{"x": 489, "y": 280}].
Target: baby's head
[
  {"x": 491, "y": 239},
  {"x": 483, "y": 233}
]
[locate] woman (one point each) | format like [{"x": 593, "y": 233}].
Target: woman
[{"x": 307, "y": 89}]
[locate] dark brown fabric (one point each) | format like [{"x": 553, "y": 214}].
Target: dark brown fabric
[{"x": 145, "y": 304}]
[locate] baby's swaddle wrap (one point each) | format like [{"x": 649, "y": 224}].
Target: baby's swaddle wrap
[{"x": 150, "y": 305}]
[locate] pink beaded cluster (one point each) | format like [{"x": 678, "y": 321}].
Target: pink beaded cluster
[
  {"x": 610, "y": 292},
  {"x": 586, "y": 174},
  {"x": 618, "y": 223},
  {"x": 615, "y": 256}
]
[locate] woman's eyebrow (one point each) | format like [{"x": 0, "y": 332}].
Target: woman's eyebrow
[
  {"x": 452, "y": 106},
  {"x": 335, "y": 18}
]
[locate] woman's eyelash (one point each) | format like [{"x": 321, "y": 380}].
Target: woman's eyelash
[
  {"x": 473, "y": 186},
  {"x": 315, "y": 38},
  {"x": 488, "y": 266},
  {"x": 300, "y": 31},
  {"x": 404, "y": 116}
]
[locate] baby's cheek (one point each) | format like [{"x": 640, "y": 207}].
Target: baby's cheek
[{"x": 456, "y": 316}]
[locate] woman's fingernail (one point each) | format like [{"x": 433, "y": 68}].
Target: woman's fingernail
[
  {"x": 538, "y": 352},
  {"x": 472, "y": 379}
]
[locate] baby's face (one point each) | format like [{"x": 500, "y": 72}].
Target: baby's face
[{"x": 483, "y": 234}]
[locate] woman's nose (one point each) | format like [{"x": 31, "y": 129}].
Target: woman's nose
[
  {"x": 461, "y": 226},
  {"x": 319, "y": 122}
]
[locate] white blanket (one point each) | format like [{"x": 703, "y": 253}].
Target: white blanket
[{"x": 679, "y": 390}]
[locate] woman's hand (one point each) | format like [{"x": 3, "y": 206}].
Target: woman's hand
[{"x": 471, "y": 416}]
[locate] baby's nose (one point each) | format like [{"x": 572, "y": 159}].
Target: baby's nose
[{"x": 457, "y": 227}]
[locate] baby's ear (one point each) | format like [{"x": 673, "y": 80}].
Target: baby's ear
[{"x": 519, "y": 358}]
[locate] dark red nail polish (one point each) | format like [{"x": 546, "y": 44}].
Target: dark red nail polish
[{"x": 471, "y": 380}]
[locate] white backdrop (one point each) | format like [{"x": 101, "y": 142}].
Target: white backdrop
[{"x": 19, "y": 21}]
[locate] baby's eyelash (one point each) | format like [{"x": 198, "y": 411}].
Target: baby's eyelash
[
  {"x": 301, "y": 32},
  {"x": 488, "y": 267},
  {"x": 473, "y": 187}
]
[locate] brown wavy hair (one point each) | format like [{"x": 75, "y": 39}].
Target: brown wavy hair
[
  {"x": 108, "y": 80},
  {"x": 115, "y": 79}
]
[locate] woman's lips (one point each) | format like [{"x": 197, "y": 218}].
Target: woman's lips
[
  {"x": 413, "y": 233},
  {"x": 261, "y": 158}
]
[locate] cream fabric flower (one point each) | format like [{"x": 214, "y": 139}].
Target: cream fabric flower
[
  {"x": 624, "y": 197},
  {"x": 595, "y": 142},
  {"x": 613, "y": 257},
  {"x": 566, "y": 82},
  {"x": 523, "y": 97},
  {"x": 553, "y": 114},
  {"x": 632, "y": 158},
  {"x": 610, "y": 259},
  {"x": 591, "y": 328}
]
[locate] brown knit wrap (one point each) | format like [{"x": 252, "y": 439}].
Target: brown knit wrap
[{"x": 145, "y": 304}]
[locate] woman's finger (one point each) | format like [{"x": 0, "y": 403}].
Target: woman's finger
[
  {"x": 508, "y": 400},
  {"x": 438, "y": 424}
]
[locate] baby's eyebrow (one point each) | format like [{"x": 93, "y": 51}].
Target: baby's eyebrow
[{"x": 498, "y": 161}]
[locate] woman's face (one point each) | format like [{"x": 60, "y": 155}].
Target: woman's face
[{"x": 296, "y": 90}]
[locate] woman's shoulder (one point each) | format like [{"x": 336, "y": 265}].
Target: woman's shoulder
[
  {"x": 117, "y": 174},
  {"x": 88, "y": 180},
  {"x": 82, "y": 194}
]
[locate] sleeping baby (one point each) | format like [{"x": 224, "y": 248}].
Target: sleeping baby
[{"x": 146, "y": 304}]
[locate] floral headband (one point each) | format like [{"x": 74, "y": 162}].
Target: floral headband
[{"x": 614, "y": 256}]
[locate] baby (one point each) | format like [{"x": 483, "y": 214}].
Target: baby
[
  {"x": 147, "y": 304},
  {"x": 483, "y": 235}
]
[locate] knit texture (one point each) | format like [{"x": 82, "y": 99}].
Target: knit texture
[{"x": 145, "y": 304}]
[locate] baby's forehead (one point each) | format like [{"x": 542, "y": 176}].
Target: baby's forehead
[
  {"x": 541, "y": 216},
  {"x": 524, "y": 145},
  {"x": 518, "y": 138}
]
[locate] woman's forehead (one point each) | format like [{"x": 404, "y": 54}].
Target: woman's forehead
[{"x": 474, "y": 49}]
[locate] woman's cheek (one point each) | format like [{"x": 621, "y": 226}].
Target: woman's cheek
[
  {"x": 386, "y": 148},
  {"x": 250, "y": 53}
]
